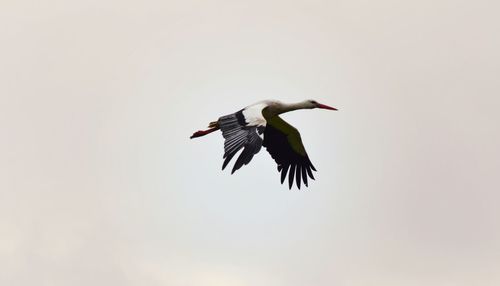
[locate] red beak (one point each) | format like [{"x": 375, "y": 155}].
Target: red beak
[{"x": 322, "y": 106}]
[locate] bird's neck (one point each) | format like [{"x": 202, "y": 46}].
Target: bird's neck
[
  {"x": 277, "y": 108},
  {"x": 291, "y": 107}
]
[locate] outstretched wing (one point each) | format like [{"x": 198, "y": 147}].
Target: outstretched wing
[
  {"x": 283, "y": 142},
  {"x": 239, "y": 134}
]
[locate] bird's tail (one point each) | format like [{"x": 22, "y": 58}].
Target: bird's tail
[{"x": 213, "y": 126}]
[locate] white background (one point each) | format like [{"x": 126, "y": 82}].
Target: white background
[{"x": 100, "y": 185}]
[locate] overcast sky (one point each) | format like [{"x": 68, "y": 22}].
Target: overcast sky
[{"x": 100, "y": 184}]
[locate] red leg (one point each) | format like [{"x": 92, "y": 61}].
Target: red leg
[{"x": 200, "y": 133}]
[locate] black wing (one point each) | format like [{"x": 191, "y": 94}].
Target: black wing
[
  {"x": 237, "y": 135},
  {"x": 283, "y": 142}
]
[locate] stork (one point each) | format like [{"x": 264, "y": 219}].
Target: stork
[{"x": 259, "y": 125}]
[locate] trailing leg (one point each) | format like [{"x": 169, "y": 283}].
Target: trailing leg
[{"x": 213, "y": 127}]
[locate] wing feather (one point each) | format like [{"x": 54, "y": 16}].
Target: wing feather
[
  {"x": 290, "y": 176},
  {"x": 304, "y": 175},
  {"x": 238, "y": 134},
  {"x": 284, "y": 143}
]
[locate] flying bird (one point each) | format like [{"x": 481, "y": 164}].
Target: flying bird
[{"x": 259, "y": 125}]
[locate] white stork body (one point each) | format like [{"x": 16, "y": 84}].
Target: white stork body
[
  {"x": 253, "y": 113},
  {"x": 259, "y": 125}
]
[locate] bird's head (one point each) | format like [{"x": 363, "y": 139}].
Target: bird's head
[{"x": 314, "y": 104}]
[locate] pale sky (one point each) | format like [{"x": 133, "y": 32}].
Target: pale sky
[{"x": 100, "y": 184}]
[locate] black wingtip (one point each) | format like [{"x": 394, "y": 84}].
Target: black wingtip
[
  {"x": 304, "y": 175},
  {"x": 291, "y": 175},
  {"x": 224, "y": 165},
  {"x": 297, "y": 176}
]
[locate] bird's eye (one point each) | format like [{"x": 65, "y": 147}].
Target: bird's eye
[{"x": 314, "y": 102}]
